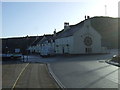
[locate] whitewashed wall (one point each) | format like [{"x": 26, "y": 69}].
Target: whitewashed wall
[
  {"x": 62, "y": 43},
  {"x": 79, "y": 36}
]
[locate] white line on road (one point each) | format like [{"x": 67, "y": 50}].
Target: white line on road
[{"x": 19, "y": 76}]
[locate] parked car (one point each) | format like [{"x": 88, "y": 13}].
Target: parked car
[{"x": 11, "y": 56}]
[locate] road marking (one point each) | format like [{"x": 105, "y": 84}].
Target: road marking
[{"x": 19, "y": 76}]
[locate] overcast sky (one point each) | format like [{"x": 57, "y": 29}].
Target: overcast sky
[{"x": 39, "y": 18}]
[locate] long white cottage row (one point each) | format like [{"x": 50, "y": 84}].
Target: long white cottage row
[{"x": 81, "y": 38}]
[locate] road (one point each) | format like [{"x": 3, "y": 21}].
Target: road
[
  {"x": 16, "y": 74},
  {"x": 83, "y": 71},
  {"x": 86, "y": 71},
  {"x": 35, "y": 76}
]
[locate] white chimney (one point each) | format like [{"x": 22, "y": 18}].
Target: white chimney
[
  {"x": 66, "y": 25},
  {"x": 54, "y": 33}
]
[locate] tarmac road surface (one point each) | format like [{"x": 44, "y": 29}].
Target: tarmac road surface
[
  {"x": 86, "y": 74},
  {"x": 87, "y": 71},
  {"x": 26, "y": 75}
]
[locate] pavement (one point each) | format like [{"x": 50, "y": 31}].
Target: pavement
[{"x": 113, "y": 63}]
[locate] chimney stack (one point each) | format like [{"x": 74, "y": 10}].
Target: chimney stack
[
  {"x": 66, "y": 25},
  {"x": 54, "y": 33},
  {"x": 88, "y": 17},
  {"x": 85, "y": 17}
]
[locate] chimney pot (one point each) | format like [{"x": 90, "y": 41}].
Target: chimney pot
[{"x": 66, "y": 25}]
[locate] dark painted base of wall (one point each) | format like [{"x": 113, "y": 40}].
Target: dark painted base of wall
[{"x": 81, "y": 54}]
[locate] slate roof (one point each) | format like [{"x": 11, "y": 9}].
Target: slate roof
[
  {"x": 70, "y": 31},
  {"x": 47, "y": 37},
  {"x": 36, "y": 40}
]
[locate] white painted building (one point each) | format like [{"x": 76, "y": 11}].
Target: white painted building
[
  {"x": 47, "y": 42},
  {"x": 81, "y": 38},
  {"x": 35, "y": 47}
]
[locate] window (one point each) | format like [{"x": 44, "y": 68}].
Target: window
[
  {"x": 88, "y": 41},
  {"x": 49, "y": 41}
]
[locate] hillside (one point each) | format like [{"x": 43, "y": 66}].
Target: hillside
[
  {"x": 17, "y": 42},
  {"x": 108, "y": 28}
]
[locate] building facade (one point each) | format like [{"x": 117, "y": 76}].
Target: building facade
[{"x": 81, "y": 38}]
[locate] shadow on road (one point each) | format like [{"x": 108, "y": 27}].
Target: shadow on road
[
  {"x": 97, "y": 80},
  {"x": 93, "y": 70}
]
